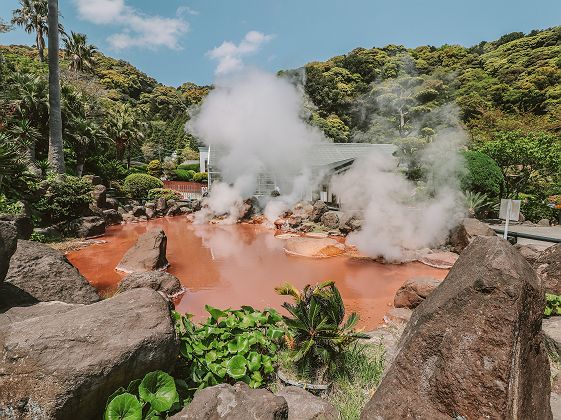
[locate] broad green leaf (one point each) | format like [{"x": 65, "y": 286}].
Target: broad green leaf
[
  {"x": 254, "y": 361},
  {"x": 119, "y": 391},
  {"x": 215, "y": 313},
  {"x": 133, "y": 387},
  {"x": 124, "y": 407},
  {"x": 158, "y": 389},
  {"x": 274, "y": 333},
  {"x": 236, "y": 367},
  {"x": 211, "y": 356}
]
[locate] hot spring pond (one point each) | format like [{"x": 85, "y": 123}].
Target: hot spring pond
[{"x": 230, "y": 266}]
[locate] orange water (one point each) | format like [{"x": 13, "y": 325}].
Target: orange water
[{"x": 230, "y": 266}]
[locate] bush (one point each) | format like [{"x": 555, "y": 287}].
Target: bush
[
  {"x": 483, "y": 174},
  {"x": 163, "y": 193},
  {"x": 231, "y": 346},
  {"x": 190, "y": 167},
  {"x": 184, "y": 175},
  {"x": 200, "y": 177},
  {"x": 552, "y": 305},
  {"x": 535, "y": 209},
  {"x": 108, "y": 169},
  {"x": 138, "y": 185},
  {"x": 65, "y": 198},
  {"x": 154, "y": 168}
]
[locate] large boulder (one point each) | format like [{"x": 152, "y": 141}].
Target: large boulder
[
  {"x": 99, "y": 195},
  {"x": 138, "y": 211},
  {"x": 46, "y": 275},
  {"x": 318, "y": 210},
  {"x": 112, "y": 217},
  {"x": 87, "y": 227},
  {"x": 552, "y": 331},
  {"x": 111, "y": 203},
  {"x": 22, "y": 223},
  {"x": 414, "y": 291},
  {"x": 303, "y": 405},
  {"x": 548, "y": 267},
  {"x": 155, "y": 280},
  {"x": 332, "y": 219},
  {"x": 148, "y": 254},
  {"x": 238, "y": 402},
  {"x": 62, "y": 361},
  {"x": 466, "y": 232},
  {"x": 474, "y": 347},
  {"x": 8, "y": 243}
]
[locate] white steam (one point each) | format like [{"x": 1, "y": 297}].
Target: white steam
[
  {"x": 253, "y": 122},
  {"x": 397, "y": 214}
]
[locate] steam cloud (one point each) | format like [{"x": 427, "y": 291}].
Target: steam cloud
[{"x": 254, "y": 119}]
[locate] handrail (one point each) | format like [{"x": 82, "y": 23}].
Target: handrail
[{"x": 529, "y": 236}]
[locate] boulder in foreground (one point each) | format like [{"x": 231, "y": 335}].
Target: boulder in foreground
[
  {"x": 148, "y": 254},
  {"x": 46, "y": 275},
  {"x": 474, "y": 348},
  {"x": 61, "y": 361},
  {"x": 238, "y": 402},
  {"x": 303, "y": 405}
]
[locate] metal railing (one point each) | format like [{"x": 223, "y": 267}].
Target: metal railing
[{"x": 517, "y": 235}]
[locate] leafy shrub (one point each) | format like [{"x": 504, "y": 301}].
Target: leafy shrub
[
  {"x": 319, "y": 333},
  {"x": 232, "y": 345},
  {"x": 190, "y": 167},
  {"x": 483, "y": 174},
  {"x": 184, "y": 175},
  {"x": 65, "y": 198},
  {"x": 479, "y": 205},
  {"x": 156, "y": 394},
  {"x": 9, "y": 206},
  {"x": 163, "y": 193},
  {"x": 108, "y": 169},
  {"x": 535, "y": 209},
  {"x": 190, "y": 154},
  {"x": 154, "y": 168},
  {"x": 138, "y": 185},
  {"x": 552, "y": 305},
  {"x": 200, "y": 177}
]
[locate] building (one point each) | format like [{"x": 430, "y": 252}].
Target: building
[{"x": 326, "y": 160}]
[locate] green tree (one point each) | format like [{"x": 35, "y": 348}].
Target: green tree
[
  {"x": 32, "y": 16},
  {"x": 56, "y": 154},
  {"x": 79, "y": 52}
]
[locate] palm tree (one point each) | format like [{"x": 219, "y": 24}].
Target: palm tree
[
  {"x": 56, "y": 153},
  {"x": 32, "y": 15},
  {"x": 4, "y": 27},
  {"x": 26, "y": 135},
  {"x": 83, "y": 135},
  {"x": 126, "y": 129},
  {"x": 81, "y": 53}
]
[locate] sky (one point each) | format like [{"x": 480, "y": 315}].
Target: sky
[{"x": 176, "y": 41}]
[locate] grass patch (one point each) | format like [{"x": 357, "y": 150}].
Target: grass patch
[{"x": 353, "y": 385}]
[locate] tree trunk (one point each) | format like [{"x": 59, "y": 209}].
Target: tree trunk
[
  {"x": 40, "y": 44},
  {"x": 30, "y": 156},
  {"x": 56, "y": 154}
]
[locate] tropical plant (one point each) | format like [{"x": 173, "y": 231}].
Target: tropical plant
[
  {"x": 125, "y": 127},
  {"x": 552, "y": 305},
  {"x": 32, "y": 15},
  {"x": 478, "y": 204},
  {"x": 82, "y": 135},
  {"x": 13, "y": 168},
  {"x": 153, "y": 397},
  {"x": 138, "y": 185},
  {"x": 79, "y": 52},
  {"x": 232, "y": 345},
  {"x": 319, "y": 333},
  {"x": 56, "y": 153}
]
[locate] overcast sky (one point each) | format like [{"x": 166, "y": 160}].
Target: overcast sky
[{"x": 193, "y": 40}]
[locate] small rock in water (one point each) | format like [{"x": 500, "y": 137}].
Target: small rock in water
[
  {"x": 314, "y": 248},
  {"x": 443, "y": 259},
  {"x": 148, "y": 254}
]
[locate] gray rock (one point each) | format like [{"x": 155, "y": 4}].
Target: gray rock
[
  {"x": 111, "y": 203},
  {"x": 150, "y": 213},
  {"x": 128, "y": 208},
  {"x": 92, "y": 179},
  {"x": 331, "y": 219},
  {"x": 148, "y": 254},
  {"x": 552, "y": 331},
  {"x": 318, "y": 210},
  {"x": 112, "y": 217},
  {"x": 138, "y": 211},
  {"x": 466, "y": 232},
  {"x": 150, "y": 205},
  {"x": 99, "y": 195},
  {"x": 22, "y": 223},
  {"x": 555, "y": 402},
  {"x": 46, "y": 275},
  {"x": 544, "y": 222},
  {"x": 238, "y": 402},
  {"x": 414, "y": 291},
  {"x": 465, "y": 344},
  {"x": 66, "y": 363},
  {"x": 548, "y": 267},
  {"x": 160, "y": 281},
  {"x": 530, "y": 252},
  {"x": 303, "y": 405},
  {"x": 87, "y": 227},
  {"x": 8, "y": 243},
  {"x": 173, "y": 211},
  {"x": 161, "y": 205},
  {"x": 121, "y": 210}
]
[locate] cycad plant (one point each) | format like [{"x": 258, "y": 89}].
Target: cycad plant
[
  {"x": 318, "y": 331},
  {"x": 478, "y": 204}
]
